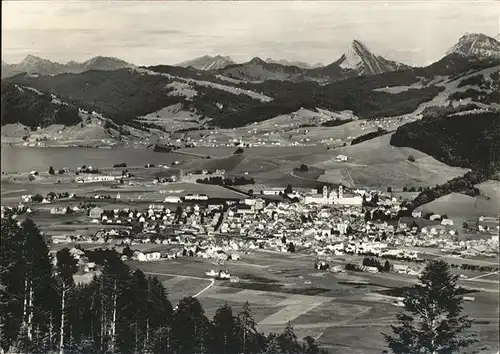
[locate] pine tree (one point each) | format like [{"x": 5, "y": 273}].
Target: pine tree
[
  {"x": 25, "y": 280},
  {"x": 432, "y": 323},
  {"x": 225, "y": 331},
  {"x": 159, "y": 311},
  {"x": 272, "y": 346},
  {"x": 387, "y": 266},
  {"x": 11, "y": 284},
  {"x": 37, "y": 277},
  {"x": 310, "y": 346},
  {"x": 190, "y": 326},
  {"x": 251, "y": 340},
  {"x": 65, "y": 269},
  {"x": 288, "y": 340}
]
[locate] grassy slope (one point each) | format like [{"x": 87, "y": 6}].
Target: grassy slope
[
  {"x": 459, "y": 205},
  {"x": 375, "y": 163}
]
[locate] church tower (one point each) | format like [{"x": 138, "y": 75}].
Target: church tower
[
  {"x": 325, "y": 194},
  {"x": 341, "y": 192}
]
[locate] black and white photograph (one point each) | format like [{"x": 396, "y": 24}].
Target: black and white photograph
[{"x": 250, "y": 177}]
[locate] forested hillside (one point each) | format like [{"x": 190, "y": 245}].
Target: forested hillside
[
  {"x": 125, "y": 94},
  {"x": 470, "y": 140},
  {"x": 122, "y": 310},
  {"x": 34, "y": 109},
  {"x": 121, "y": 95}
]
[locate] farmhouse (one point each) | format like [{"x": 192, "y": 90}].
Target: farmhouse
[{"x": 341, "y": 158}]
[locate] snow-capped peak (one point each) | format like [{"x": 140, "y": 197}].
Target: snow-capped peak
[{"x": 478, "y": 45}]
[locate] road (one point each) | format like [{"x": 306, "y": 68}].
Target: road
[
  {"x": 212, "y": 282},
  {"x": 483, "y": 275},
  {"x": 304, "y": 178},
  {"x": 189, "y": 153}
]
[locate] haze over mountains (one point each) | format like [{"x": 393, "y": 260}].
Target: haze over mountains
[
  {"x": 357, "y": 60},
  {"x": 218, "y": 62},
  {"x": 34, "y": 64}
]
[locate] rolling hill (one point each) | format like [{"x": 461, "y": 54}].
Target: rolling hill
[{"x": 375, "y": 163}]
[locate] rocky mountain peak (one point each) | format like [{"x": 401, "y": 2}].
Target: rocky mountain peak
[
  {"x": 257, "y": 61},
  {"x": 364, "y": 62},
  {"x": 207, "y": 62},
  {"x": 476, "y": 44}
]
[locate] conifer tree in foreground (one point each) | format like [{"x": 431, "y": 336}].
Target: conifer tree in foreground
[
  {"x": 432, "y": 323},
  {"x": 120, "y": 311},
  {"x": 251, "y": 340},
  {"x": 65, "y": 269}
]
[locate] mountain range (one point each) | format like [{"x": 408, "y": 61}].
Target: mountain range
[
  {"x": 358, "y": 60},
  {"x": 300, "y": 64},
  {"x": 36, "y": 65},
  {"x": 219, "y": 62}
]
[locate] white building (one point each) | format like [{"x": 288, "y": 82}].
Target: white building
[
  {"x": 172, "y": 199},
  {"x": 99, "y": 178},
  {"x": 341, "y": 158},
  {"x": 196, "y": 197},
  {"x": 331, "y": 198},
  {"x": 273, "y": 191}
]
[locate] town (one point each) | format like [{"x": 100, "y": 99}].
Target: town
[{"x": 335, "y": 222}]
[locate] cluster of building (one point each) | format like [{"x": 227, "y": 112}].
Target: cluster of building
[{"x": 332, "y": 223}]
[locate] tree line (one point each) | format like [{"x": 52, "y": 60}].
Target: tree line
[
  {"x": 468, "y": 140},
  {"x": 463, "y": 184},
  {"x": 22, "y": 105},
  {"x": 226, "y": 181},
  {"x": 369, "y": 136},
  {"x": 43, "y": 310}
]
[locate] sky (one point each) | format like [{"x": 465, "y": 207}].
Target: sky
[{"x": 168, "y": 32}]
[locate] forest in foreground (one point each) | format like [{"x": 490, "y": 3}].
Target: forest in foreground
[{"x": 42, "y": 310}]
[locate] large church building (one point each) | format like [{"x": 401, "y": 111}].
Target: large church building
[{"x": 333, "y": 198}]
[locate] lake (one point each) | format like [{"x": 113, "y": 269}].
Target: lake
[{"x": 19, "y": 159}]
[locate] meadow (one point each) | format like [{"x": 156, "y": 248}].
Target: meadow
[{"x": 351, "y": 310}]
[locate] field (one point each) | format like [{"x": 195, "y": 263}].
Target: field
[
  {"x": 375, "y": 163},
  {"x": 457, "y": 205},
  {"x": 346, "y": 310}
]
